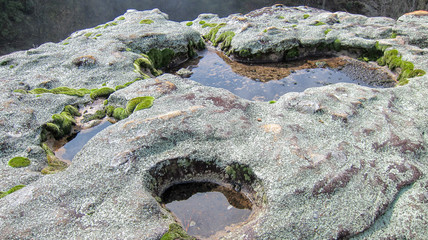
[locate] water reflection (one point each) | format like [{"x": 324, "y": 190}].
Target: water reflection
[
  {"x": 71, "y": 148},
  {"x": 268, "y": 81},
  {"x": 206, "y": 208}
]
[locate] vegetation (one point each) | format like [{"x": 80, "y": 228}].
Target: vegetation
[
  {"x": 146, "y": 21},
  {"x": 54, "y": 164},
  {"x": 13, "y": 189},
  {"x": 176, "y": 232},
  {"x": 102, "y": 92},
  {"x": 18, "y": 162}
]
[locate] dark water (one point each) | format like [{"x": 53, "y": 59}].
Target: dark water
[
  {"x": 71, "y": 148},
  {"x": 212, "y": 70},
  {"x": 206, "y": 208}
]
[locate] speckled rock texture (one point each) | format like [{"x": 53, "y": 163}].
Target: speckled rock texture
[{"x": 335, "y": 162}]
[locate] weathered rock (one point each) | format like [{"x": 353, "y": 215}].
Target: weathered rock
[{"x": 333, "y": 162}]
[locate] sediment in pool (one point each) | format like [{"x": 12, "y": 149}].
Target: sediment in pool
[{"x": 269, "y": 81}]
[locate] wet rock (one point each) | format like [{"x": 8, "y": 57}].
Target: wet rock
[{"x": 328, "y": 163}]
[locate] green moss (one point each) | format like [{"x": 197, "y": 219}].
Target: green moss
[
  {"x": 54, "y": 164},
  {"x": 201, "y": 44},
  {"x": 294, "y": 26},
  {"x": 20, "y": 91},
  {"x": 139, "y": 103},
  {"x": 337, "y": 45},
  {"x": 5, "y": 62},
  {"x": 13, "y": 189},
  {"x": 88, "y": 34},
  {"x": 239, "y": 173},
  {"x": 213, "y": 32},
  {"x": 146, "y": 21},
  {"x": 105, "y": 102},
  {"x": 161, "y": 58},
  {"x": 99, "y": 114},
  {"x": 145, "y": 63},
  {"x": 327, "y": 31},
  {"x": 121, "y": 18},
  {"x": 306, "y": 16},
  {"x": 62, "y": 90},
  {"x": 225, "y": 39},
  {"x": 18, "y": 162},
  {"x": 319, "y": 23},
  {"x": 292, "y": 53},
  {"x": 176, "y": 232},
  {"x": 11, "y": 66},
  {"x": 119, "y": 87},
  {"x": 120, "y": 113},
  {"x": 189, "y": 24},
  {"x": 202, "y": 22},
  {"x": 73, "y": 111},
  {"x": 102, "y": 92},
  {"x": 109, "y": 111},
  {"x": 66, "y": 43},
  {"x": 98, "y": 35},
  {"x": 209, "y": 25},
  {"x": 272, "y": 102},
  {"x": 244, "y": 53},
  {"x": 393, "y": 34},
  {"x": 98, "y": 27},
  {"x": 281, "y": 17}
]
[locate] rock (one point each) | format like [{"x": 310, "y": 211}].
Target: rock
[
  {"x": 339, "y": 161},
  {"x": 184, "y": 73}
]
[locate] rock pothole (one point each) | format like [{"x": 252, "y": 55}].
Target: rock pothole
[{"x": 205, "y": 197}]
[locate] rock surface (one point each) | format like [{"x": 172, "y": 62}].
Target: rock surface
[{"x": 340, "y": 161}]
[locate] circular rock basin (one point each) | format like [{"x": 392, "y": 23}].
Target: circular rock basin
[
  {"x": 265, "y": 82},
  {"x": 206, "y": 208}
]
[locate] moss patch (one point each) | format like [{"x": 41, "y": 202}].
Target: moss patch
[
  {"x": 225, "y": 39},
  {"x": 102, "y": 92},
  {"x": 176, "y": 232},
  {"x": 62, "y": 123},
  {"x": 146, "y": 21},
  {"x": 306, "y": 16},
  {"x": 139, "y": 103},
  {"x": 13, "y": 189},
  {"x": 62, "y": 90},
  {"x": 211, "y": 36},
  {"x": 393, "y": 60},
  {"x": 161, "y": 58},
  {"x": 189, "y": 24},
  {"x": 54, "y": 164},
  {"x": 18, "y": 162},
  {"x": 144, "y": 63},
  {"x": 239, "y": 173}
]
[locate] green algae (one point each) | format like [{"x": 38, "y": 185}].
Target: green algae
[
  {"x": 319, "y": 23},
  {"x": 55, "y": 165},
  {"x": 292, "y": 53},
  {"x": 209, "y": 25},
  {"x": 176, "y": 232},
  {"x": 225, "y": 39},
  {"x": 20, "y": 91},
  {"x": 102, "y": 93},
  {"x": 144, "y": 63},
  {"x": 62, "y": 90},
  {"x": 327, "y": 31},
  {"x": 306, "y": 16},
  {"x": 202, "y": 22},
  {"x": 393, "y": 60},
  {"x": 88, "y": 34},
  {"x": 189, "y": 24},
  {"x": 18, "y": 162},
  {"x": 146, "y": 21},
  {"x": 120, "y": 113},
  {"x": 161, "y": 58},
  {"x": 62, "y": 123},
  {"x": 121, "y": 18},
  {"x": 139, "y": 103},
  {"x": 239, "y": 173},
  {"x": 99, "y": 114},
  {"x": 13, "y": 189},
  {"x": 211, "y": 36}
]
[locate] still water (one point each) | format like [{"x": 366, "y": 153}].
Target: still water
[
  {"x": 71, "y": 148},
  {"x": 261, "y": 82},
  {"x": 206, "y": 208}
]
